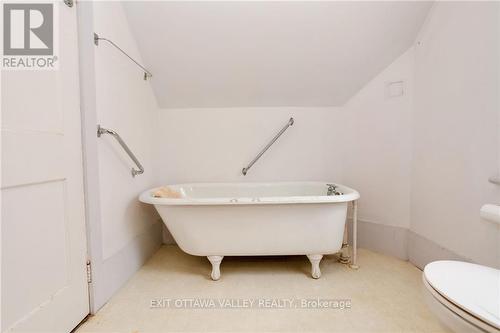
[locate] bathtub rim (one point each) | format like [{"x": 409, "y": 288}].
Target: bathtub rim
[{"x": 349, "y": 195}]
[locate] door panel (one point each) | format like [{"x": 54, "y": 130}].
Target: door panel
[
  {"x": 33, "y": 157},
  {"x": 30, "y": 241},
  {"x": 44, "y": 281}
]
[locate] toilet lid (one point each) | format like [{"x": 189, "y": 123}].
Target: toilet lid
[{"x": 473, "y": 288}]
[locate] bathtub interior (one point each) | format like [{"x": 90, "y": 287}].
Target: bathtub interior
[
  {"x": 253, "y": 190},
  {"x": 252, "y": 193}
]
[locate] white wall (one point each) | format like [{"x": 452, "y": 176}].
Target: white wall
[
  {"x": 213, "y": 145},
  {"x": 421, "y": 161},
  {"x": 455, "y": 128},
  {"x": 122, "y": 232},
  {"x": 377, "y": 159},
  {"x": 125, "y": 103}
]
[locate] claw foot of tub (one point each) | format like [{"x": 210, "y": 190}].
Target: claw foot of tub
[
  {"x": 315, "y": 259},
  {"x": 215, "y": 261}
]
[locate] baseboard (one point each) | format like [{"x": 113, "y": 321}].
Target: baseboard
[
  {"x": 401, "y": 243},
  {"x": 385, "y": 239},
  {"x": 115, "y": 271},
  {"x": 422, "y": 251}
]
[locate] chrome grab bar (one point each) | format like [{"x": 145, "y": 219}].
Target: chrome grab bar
[
  {"x": 101, "y": 130},
  {"x": 245, "y": 170},
  {"x": 147, "y": 74}
]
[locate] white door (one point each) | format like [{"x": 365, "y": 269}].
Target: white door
[{"x": 44, "y": 284}]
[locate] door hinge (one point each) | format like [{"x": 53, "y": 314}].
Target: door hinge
[{"x": 89, "y": 272}]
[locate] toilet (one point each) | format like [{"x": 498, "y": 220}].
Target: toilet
[{"x": 464, "y": 296}]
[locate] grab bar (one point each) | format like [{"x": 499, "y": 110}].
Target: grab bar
[
  {"x": 245, "y": 170},
  {"x": 147, "y": 73},
  {"x": 101, "y": 130}
]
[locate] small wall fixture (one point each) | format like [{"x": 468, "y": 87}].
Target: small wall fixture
[
  {"x": 494, "y": 180},
  {"x": 147, "y": 74}
]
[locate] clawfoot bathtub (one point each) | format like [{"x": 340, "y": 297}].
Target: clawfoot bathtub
[{"x": 252, "y": 219}]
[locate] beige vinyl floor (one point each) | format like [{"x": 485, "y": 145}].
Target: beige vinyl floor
[{"x": 172, "y": 292}]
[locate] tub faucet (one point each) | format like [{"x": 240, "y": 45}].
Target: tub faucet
[{"x": 332, "y": 190}]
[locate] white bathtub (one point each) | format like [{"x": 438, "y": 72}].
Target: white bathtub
[{"x": 251, "y": 219}]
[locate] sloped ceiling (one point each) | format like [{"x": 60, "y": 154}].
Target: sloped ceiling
[{"x": 224, "y": 54}]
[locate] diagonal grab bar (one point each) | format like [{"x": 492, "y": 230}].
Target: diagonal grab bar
[
  {"x": 101, "y": 130},
  {"x": 147, "y": 74},
  {"x": 245, "y": 170}
]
